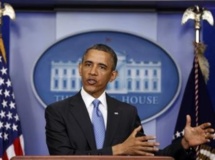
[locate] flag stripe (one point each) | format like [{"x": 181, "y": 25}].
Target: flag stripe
[
  {"x": 10, "y": 152},
  {"x": 21, "y": 141},
  {"x": 5, "y": 156},
  {"x": 17, "y": 147}
]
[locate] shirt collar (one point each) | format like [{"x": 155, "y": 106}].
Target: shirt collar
[{"x": 88, "y": 99}]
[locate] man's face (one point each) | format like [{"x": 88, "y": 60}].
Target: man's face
[{"x": 96, "y": 72}]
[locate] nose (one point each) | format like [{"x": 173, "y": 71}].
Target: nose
[{"x": 93, "y": 70}]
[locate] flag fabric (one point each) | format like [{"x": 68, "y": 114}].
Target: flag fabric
[
  {"x": 204, "y": 112},
  {"x": 11, "y": 138}
]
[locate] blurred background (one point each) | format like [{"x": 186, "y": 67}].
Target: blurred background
[{"x": 41, "y": 24}]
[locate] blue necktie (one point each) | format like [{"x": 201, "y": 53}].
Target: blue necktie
[{"x": 98, "y": 124}]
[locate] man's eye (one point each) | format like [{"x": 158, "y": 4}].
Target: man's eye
[
  {"x": 102, "y": 67},
  {"x": 87, "y": 64}
]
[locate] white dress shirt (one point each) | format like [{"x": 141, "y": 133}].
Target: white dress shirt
[{"x": 88, "y": 99}]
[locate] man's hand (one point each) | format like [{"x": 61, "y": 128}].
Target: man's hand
[
  {"x": 194, "y": 136},
  {"x": 136, "y": 145}
]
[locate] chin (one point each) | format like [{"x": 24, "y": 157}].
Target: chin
[{"x": 90, "y": 89}]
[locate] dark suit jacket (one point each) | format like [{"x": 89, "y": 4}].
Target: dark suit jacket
[{"x": 69, "y": 129}]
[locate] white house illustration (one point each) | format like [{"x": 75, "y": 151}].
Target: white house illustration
[{"x": 133, "y": 77}]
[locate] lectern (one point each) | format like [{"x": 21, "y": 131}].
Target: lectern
[{"x": 91, "y": 158}]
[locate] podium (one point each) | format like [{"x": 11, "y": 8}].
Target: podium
[{"x": 91, "y": 158}]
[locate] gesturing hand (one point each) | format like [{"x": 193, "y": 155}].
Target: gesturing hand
[
  {"x": 136, "y": 145},
  {"x": 194, "y": 136}
]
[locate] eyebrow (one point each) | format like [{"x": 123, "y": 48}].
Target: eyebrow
[
  {"x": 87, "y": 61},
  {"x": 100, "y": 64}
]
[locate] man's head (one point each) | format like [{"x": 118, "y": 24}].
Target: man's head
[
  {"x": 104, "y": 48},
  {"x": 97, "y": 69}
]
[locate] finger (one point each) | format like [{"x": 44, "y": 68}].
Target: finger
[
  {"x": 209, "y": 135},
  {"x": 209, "y": 130},
  {"x": 143, "y": 153},
  {"x": 147, "y": 141},
  {"x": 213, "y": 136},
  {"x": 150, "y": 144},
  {"x": 136, "y": 130},
  {"x": 188, "y": 121},
  {"x": 205, "y": 125},
  {"x": 151, "y": 149},
  {"x": 149, "y": 154},
  {"x": 146, "y": 138}
]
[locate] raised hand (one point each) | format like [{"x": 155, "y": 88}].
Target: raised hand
[{"x": 194, "y": 136}]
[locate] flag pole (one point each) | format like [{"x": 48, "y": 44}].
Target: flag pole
[
  {"x": 198, "y": 14},
  {"x": 6, "y": 11}
]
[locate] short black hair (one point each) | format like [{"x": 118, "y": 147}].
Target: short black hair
[{"x": 105, "y": 48}]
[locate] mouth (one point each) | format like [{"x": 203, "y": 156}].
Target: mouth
[{"x": 92, "y": 81}]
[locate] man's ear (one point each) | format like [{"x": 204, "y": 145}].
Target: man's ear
[
  {"x": 113, "y": 76},
  {"x": 80, "y": 69}
]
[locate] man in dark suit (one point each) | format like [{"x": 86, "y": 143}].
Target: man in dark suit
[{"x": 69, "y": 123}]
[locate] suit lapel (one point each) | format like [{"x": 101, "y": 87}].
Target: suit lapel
[
  {"x": 112, "y": 120},
  {"x": 80, "y": 113}
]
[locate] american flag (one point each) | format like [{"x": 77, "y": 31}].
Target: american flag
[{"x": 11, "y": 138}]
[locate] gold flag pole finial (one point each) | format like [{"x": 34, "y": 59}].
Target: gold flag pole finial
[
  {"x": 6, "y": 11},
  {"x": 198, "y": 14}
]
